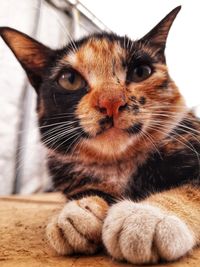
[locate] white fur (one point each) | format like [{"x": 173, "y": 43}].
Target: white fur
[
  {"x": 77, "y": 229},
  {"x": 142, "y": 233}
]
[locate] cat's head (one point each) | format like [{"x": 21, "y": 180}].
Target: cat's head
[{"x": 104, "y": 96}]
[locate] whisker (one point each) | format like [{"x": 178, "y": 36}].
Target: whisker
[
  {"x": 150, "y": 138},
  {"x": 58, "y": 136},
  {"x": 56, "y": 129},
  {"x": 81, "y": 134},
  {"x": 76, "y": 134},
  {"x": 159, "y": 130},
  {"x": 178, "y": 125}
]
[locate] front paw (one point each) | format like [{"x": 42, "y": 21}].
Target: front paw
[
  {"x": 78, "y": 227},
  {"x": 142, "y": 233}
]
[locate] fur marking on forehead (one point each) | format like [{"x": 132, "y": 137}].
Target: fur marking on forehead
[{"x": 94, "y": 60}]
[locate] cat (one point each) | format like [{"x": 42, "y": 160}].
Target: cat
[{"x": 122, "y": 145}]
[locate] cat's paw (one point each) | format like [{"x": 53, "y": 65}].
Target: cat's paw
[
  {"x": 78, "y": 227},
  {"x": 142, "y": 233}
]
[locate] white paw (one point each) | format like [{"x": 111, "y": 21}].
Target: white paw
[
  {"x": 142, "y": 233},
  {"x": 78, "y": 227}
]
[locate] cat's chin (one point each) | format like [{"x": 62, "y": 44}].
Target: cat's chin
[
  {"x": 110, "y": 144},
  {"x": 109, "y": 134}
]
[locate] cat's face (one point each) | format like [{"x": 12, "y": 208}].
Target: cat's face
[{"x": 105, "y": 96}]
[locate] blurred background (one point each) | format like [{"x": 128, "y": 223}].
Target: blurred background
[{"x": 54, "y": 22}]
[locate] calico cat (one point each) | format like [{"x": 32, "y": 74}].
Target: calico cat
[{"x": 122, "y": 145}]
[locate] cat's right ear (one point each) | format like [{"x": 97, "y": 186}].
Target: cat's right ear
[
  {"x": 32, "y": 55},
  {"x": 157, "y": 37}
]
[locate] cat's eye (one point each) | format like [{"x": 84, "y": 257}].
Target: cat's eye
[
  {"x": 71, "y": 80},
  {"x": 141, "y": 73}
]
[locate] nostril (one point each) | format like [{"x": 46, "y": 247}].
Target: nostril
[
  {"x": 111, "y": 106},
  {"x": 102, "y": 110},
  {"x": 121, "y": 108}
]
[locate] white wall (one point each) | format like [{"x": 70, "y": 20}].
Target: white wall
[
  {"x": 52, "y": 30},
  {"x": 12, "y": 82}
]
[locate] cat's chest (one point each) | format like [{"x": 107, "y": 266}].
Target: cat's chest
[
  {"x": 74, "y": 177},
  {"x": 135, "y": 178}
]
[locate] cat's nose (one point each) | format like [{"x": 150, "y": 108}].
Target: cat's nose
[{"x": 112, "y": 106}]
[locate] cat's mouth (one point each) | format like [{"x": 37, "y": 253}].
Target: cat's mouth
[
  {"x": 111, "y": 130},
  {"x": 109, "y": 127},
  {"x": 105, "y": 125}
]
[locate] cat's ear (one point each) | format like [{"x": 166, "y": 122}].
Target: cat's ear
[
  {"x": 32, "y": 55},
  {"x": 158, "y": 35}
]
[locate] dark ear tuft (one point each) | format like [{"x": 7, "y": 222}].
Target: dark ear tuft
[
  {"x": 158, "y": 35},
  {"x": 32, "y": 55}
]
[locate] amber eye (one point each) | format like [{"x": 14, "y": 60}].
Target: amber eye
[
  {"x": 71, "y": 80},
  {"x": 141, "y": 73}
]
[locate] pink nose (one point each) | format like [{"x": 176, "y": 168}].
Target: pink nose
[{"x": 111, "y": 106}]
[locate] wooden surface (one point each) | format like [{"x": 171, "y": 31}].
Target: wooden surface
[{"x": 23, "y": 242}]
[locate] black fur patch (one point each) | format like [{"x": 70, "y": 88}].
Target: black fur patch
[
  {"x": 164, "y": 85},
  {"x": 142, "y": 100},
  {"x": 60, "y": 106},
  {"x": 135, "y": 108},
  {"x": 135, "y": 129},
  {"x": 105, "y": 124},
  {"x": 183, "y": 127},
  {"x": 106, "y": 120},
  {"x": 133, "y": 98},
  {"x": 163, "y": 172},
  {"x": 60, "y": 172}
]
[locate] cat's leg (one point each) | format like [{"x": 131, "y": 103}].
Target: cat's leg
[
  {"x": 164, "y": 227},
  {"x": 78, "y": 227}
]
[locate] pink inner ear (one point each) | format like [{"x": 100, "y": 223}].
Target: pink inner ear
[
  {"x": 30, "y": 53},
  {"x": 158, "y": 35}
]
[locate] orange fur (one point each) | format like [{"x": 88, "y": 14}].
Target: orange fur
[{"x": 182, "y": 202}]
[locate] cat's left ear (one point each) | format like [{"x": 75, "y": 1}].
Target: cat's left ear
[
  {"x": 32, "y": 55},
  {"x": 158, "y": 35}
]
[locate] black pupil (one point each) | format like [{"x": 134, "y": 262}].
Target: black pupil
[
  {"x": 71, "y": 77},
  {"x": 141, "y": 71}
]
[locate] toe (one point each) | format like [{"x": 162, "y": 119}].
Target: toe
[
  {"x": 57, "y": 239},
  {"x": 81, "y": 228},
  {"x": 112, "y": 228},
  {"x": 173, "y": 238},
  {"x": 77, "y": 219}
]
